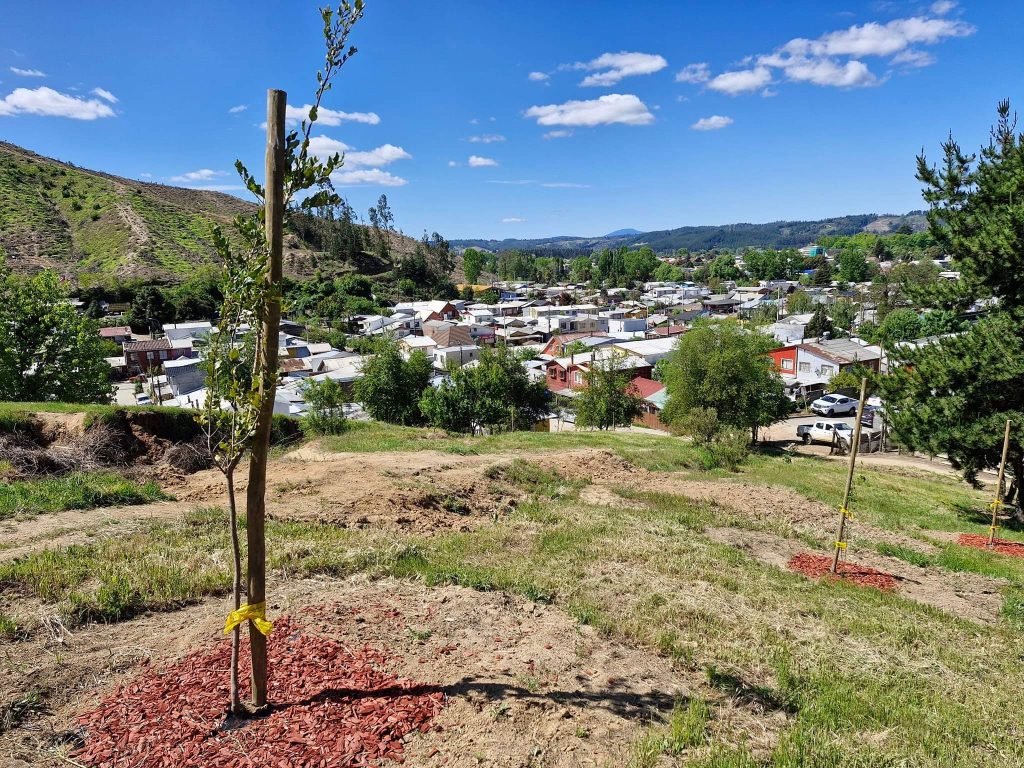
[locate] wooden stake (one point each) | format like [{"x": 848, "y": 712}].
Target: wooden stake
[
  {"x": 256, "y": 492},
  {"x": 998, "y": 503},
  {"x": 843, "y": 511}
]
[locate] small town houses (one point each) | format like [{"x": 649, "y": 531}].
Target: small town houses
[{"x": 561, "y": 331}]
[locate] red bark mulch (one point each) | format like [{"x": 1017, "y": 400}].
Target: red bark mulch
[
  {"x": 331, "y": 707},
  {"x": 818, "y": 566},
  {"x": 1002, "y": 546}
]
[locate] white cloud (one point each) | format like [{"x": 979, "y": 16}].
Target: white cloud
[
  {"x": 104, "y": 94},
  {"x": 453, "y": 164},
  {"x": 487, "y": 138},
  {"x": 294, "y": 115},
  {"x": 610, "y": 68},
  {"x": 741, "y": 81},
  {"x": 564, "y": 185},
  {"x": 360, "y": 166},
  {"x": 713, "y": 123},
  {"x": 626, "y": 109},
  {"x": 874, "y": 39},
  {"x": 561, "y": 133},
  {"x": 238, "y": 108},
  {"x": 374, "y": 176},
  {"x": 27, "y": 72},
  {"x": 50, "y": 103},
  {"x": 475, "y": 161},
  {"x": 539, "y": 77},
  {"x": 912, "y": 57},
  {"x": 852, "y": 74},
  {"x": 512, "y": 220},
  {"x": 145, "y": 175},
  {"x": 203, "y": 174},
  {"x": 835, "y": 58},
  {"x": 694, "y": 73},
  {"x": 374, "y": 158}
]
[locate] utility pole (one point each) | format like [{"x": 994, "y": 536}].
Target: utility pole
[
  {"x": 267, "y": 370},
  {"x": 998, "y": 503},
  {"x": 844, "y": 511}
]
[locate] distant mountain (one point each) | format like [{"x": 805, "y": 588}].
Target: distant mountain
[
  {"x": 621, "y": 232},
  {"x": 776, "y": 234}
]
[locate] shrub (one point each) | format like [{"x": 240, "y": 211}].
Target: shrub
[{"x": 326, "y": 408}]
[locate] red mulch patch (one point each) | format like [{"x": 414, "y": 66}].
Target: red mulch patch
[
  {"x": 331, "y": 707},
  {"x": 817, "y": 566},
  {"x": 1002, "y": 546}
]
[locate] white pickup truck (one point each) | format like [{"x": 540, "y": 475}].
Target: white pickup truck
[{"x": 823, "y": 432}]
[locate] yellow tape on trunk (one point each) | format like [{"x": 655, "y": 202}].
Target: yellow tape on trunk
[{"x": 256, "y": 613}]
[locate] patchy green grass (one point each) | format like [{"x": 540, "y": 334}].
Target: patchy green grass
[
  {"x": 896, "y": 499},
  {"x": 654, "y": 452},
  {"x": 536, "y": 479},
  {"x": 80, "y": 490},
  {"x": 835, "y": 675}
]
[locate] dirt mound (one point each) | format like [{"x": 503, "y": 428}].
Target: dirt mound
[
  {"x": 139, "y": 444},
  {"x": 598, "y": 465}
]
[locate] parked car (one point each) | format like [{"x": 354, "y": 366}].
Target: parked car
[
  {"x": 834, "y": 405},
  {"x": 825, "y": 432},
  {"x": 143, "y": 400}
]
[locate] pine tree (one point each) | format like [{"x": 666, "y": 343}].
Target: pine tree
[{"x": 954, "y": 396}]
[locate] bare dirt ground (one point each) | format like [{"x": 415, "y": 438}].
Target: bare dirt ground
[
  {"x": 963, "y": 594},
  {"x": 525, "y": 684}
]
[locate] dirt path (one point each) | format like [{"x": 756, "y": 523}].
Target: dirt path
[
  {"x": 526, "y": 685},
  {"x": 966, "y": 595},
  {"x": 62, "y": 529}
]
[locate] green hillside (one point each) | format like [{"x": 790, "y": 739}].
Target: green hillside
[{"x": 86, "y": 224}]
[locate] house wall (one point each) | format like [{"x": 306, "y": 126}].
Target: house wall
[{"x": 784, "y": 360}]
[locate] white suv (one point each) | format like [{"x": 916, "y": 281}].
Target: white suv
[{"x": 834, "y": 405}]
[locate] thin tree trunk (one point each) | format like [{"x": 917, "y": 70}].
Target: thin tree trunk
[
  {"x": 267, "y": 372},
  {"x": 236, "y": 591}
]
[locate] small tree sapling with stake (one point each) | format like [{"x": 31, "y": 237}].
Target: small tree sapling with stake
[{"x": 242, "y": 366}]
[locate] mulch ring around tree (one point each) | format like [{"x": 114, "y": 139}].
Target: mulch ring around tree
[
  {"x": 1002, "y": 546},
  {"x": 818, "y": 566},
  {"x": 332, "y": 706}
]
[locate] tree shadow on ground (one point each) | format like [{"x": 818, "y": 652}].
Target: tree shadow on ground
[
  {"x": 983, "y": 516},
  {"x": 757, "y": 695},
  {"x": 617, "y": 699}
]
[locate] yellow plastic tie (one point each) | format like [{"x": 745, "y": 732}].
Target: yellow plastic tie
[
  {"x": 256, "y": 613},
  {"x": 846, "y": 513},
  {"x": 840, "y": 545}
]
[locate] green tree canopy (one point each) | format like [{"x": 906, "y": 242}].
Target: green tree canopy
[
  {"x": 608, "y": 400},
  {"x": 495, "y": 394},
  {"x": 719, "y": 365},
  {"x": 820, "y": 323},
  {"x": 48, "y": 352},
  {"x": 391, "y": 386},
  {"x": 799, "y": 303},
  {"x": 472, "y": 264},
  {"x": 955, "y": 395}
]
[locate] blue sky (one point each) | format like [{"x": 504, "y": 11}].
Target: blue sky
[{"x": 528, "y": 119}]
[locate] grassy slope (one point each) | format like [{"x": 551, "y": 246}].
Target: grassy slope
[
  {"x": 80, "y": 490},
  {"x": 839, "y": 675},
  {"x": 77, "y": 221}
]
